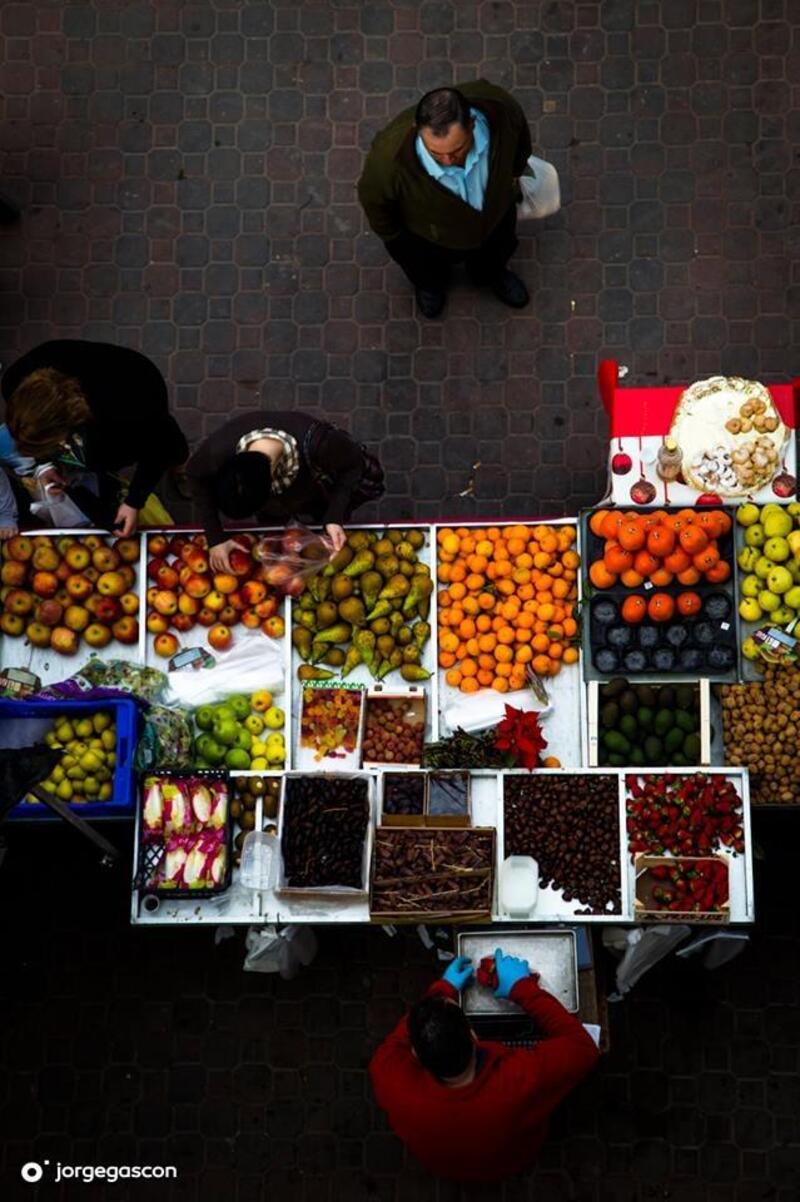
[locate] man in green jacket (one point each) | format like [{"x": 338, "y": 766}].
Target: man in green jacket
[{"x": 440, "y": 186}]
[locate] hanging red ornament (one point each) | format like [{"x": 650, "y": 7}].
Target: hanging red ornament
[
  {"x": 784, "y": 485},
  {"x": 709, "y": 498},
  {"x": 621, "y": 463},
  {"x": 642, "y": 492}
]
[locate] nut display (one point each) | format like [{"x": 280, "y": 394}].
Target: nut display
[
  {"x": 394, "y": 730},
  {"x": 761, "y": 730},
  {"x": 570, "y": 825},
  {"x": 325, "y": 825},
  {"x": 683, "y": 815},
  {"x": 404, "y": 792},
  {"x": 421, "y": 871},
  {"x": 329, "y": 722}
]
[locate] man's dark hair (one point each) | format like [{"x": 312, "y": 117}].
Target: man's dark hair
[
  {"x": 243, "y": 484},
  {"x": 441, "y": 1037},
  {"x": 440, "y": 109}
]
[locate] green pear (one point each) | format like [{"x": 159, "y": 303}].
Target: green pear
[
  {"x": 777, "y": 549},
  {"x": 763, "y": 567},
  {"x": 782, "y": 616},
  {"x": 750, "y": 610},
  {"x": 792, "y": 597},
  {"x": 747, "y": 514},
  {"x": 754, "y": 535},
  {"x": 750, "y": 648},
  {"x": 794, "y": 543},
  {"x": 777, "y": 524},
  {"x": 750, "y": 586},
  {"x": 768, "y": 601},
  {"x": 779, "y": 580},
  {"x": 748, "y": 557}
]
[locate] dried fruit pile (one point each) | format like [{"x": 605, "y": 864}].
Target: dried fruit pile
[
  {"x": 761, "y": 729},
  {"x": 404, "y": 792},
  {"x": 329, "y": 722},
  {"x": 325, "y": 824},
  {"x": 660, "y": 547},
  {"x": 368, "y": 606},
  {"x": 683, "y": 815},
  {"x": 507, "y": 600},
  {"x": 185, "y": 592},
  {"x": 57, "y": 590},
  {"x": 686, "y": 886},
  {"x": 394, "y": 730},
  {"x": 432, "y": 871},
  {"x": 570, "y": 825}
]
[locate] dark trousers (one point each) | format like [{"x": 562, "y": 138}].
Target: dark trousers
[{"x": 428, "y": 265}]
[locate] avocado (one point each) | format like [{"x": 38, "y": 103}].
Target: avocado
[
  {"x": 673, "y": 740},
  {"x": 612, "y": 688},
  {"x": 628, "y": 725},
  {"x": 646, "y": 694},
  {"x": 664, "y": 721},
  {"x": 637, "y": 758},
  {"x": 685, "y": 722},
  {"x": 614, "y": 741},
  {"x": 678, "y": 760},
  {"x": 684, "y": 696},
  {"x": 653, "y": 750},
  {"x": 628, "y": 703},
  {"x": 609, "y": 715},
  {"x": 617, "y": 761},
  {"x": 645, "y": 717},
  {"x": 691, "y": 749},
  {"x": 666, "y": 696},
  {"x": 602, "y": 757}
]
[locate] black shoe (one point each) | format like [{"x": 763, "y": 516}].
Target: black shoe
[
  {"x": 510, "y": 289},
  {"x": 430, "y": 304}
]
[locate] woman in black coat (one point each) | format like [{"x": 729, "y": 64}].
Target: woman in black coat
[{"x": 276, "y": 467}]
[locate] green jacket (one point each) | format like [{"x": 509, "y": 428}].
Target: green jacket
[{"x": 397, "y": 193}]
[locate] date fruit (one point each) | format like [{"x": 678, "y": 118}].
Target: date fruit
[{"x": 324, "y": 828}]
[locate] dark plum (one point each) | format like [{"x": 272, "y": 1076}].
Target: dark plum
[
  {"x": 721, "y": 658},
  {"x": 606, "y": 660},
  {"x": 619, "y": 636},
  {"x": 717, "y": 607},
  {"x": 690, "y": 659},
  {"x": 635, "y": 661},
  {"x": 664, "y": 659},
  {"x": 604, "y": 611},
  {"x": 704, "y": 633},
  {"x": 676, "y": 636},
  {"x": 649, "y": 637}
]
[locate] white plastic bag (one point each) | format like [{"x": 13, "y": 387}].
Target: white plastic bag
[
  {"x": 271, "y": 950},
  {"x": 55, "y": 506},
  {"x": 541, "y": 191},
  {"x": 251, "y": 664}
]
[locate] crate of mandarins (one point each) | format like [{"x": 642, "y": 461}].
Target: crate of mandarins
[
  {"x": 658, "y": 593},
  {"x": 507, "y": 598}
]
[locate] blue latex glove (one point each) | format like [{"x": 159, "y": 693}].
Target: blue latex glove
[
  {"x": 459, "y": 972},
  {"x": 510, "y": 969}
]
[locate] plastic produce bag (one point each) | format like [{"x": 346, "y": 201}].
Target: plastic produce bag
[
  {"x": 251, "y": 664},
  {"x": 165, "y": 741},
  {"x": 641, "y": 948},
  {"x": 272, "y": 950},
  {"x": 292, "y": 558},
  {"x": 54, "y": 506},
  {"x": 541, "y": 191}
]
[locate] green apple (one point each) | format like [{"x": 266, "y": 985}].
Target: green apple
[
  {"x": 768, "y": 601},
  {"x": 224, "y": 711},
  {"x": 750, "y": 610},
  {"x": 747, "y": 558},
  {"x": 750, "y": 648},
  {"x": 204, "y": 717},
  {"x": 779, "y": 580},
  {"x": 751, "y": 586},
  {"x": 754, "y": 535},
  {"x": 225, "y": 730},
  {"x": 763, "y": 567},
  {"x": 782, "y": 616},
  {"x": 237, "y": 757},
  {"x": 243, "y": 739},
  {"x": 747, "y": 514},
  {"x": 777, "y": 524},
  {"x": 792, "y": 597},
  {"x": 240, "y": 705},
  {"x": 777, "y": 549},
  {"x": 214, "y": 752}
]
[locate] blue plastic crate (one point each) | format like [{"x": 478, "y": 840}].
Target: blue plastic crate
[{"x": 23, "y": 723}]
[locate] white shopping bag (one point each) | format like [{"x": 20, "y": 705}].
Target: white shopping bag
[{"x": 541, "y": 192}]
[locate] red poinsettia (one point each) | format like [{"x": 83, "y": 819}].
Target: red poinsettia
[{"x": 520, "y": 734}]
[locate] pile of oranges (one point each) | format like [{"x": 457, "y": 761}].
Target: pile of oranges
[
  {"x": 659, "y": 547},
  {"x": 507, "y": 600}
]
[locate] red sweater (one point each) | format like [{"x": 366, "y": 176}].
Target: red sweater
[{"x": 493, "y": 1127}]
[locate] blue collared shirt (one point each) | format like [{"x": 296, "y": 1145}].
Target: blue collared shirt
[{"x": 468, "y": 183}]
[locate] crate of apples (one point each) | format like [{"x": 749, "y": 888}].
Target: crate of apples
[
  {"x": 184, "y": 592},
  {"x": 60, "y": 590},
  {"x": 507, "y": 599}
]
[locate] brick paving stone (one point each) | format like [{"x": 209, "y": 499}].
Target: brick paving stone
[{"x": 186, "y": 173}]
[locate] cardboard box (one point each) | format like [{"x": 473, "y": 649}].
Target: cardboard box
[
  {"x": 483, "y": 879},
  {"x": 427, "y": 818},
  {"x": 341, "y": 761},
  {"x": 414, "y": 704},
  {"x": 595, "y": 729},
  {"x": 645, "y": 883},
  {"x": 327, "y": 891}
]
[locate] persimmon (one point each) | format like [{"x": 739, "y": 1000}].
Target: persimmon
[
  {"x": 690, "y": 576},
  {"x": 632, "y": 579},
  {"x": 660, "y": 607},
  {"x": 611, "y": 523},
  {"x": 645, "y": 564},
  {"x": 618, "y": 560},
  {"x": 693, "y": 539},
  {"x": 600, "y": 575},
  {"x": 706, "y": 560},
  {"x": 688, "y": 604},
  {"x": 661, "y": 578},
  {"x": 720, "y": 572},
  {"x": 596, "y": 521},
  {"x": 677, "y": 561},
  {"x": 661, "y": 541},
  {"x": 634, "y": 609},
  {"x": 631, "y": 536}
]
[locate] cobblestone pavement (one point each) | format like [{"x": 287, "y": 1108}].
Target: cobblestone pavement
[{"x": 186, "y": 176}]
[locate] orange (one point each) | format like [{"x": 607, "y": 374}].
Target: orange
[
  {"x": 448, "y": 641},
  {"x": 645, "y": 563},
  {"x": 503, "y": 654},
  {"x": 634, "y": 609},
  {"x": 660, "y": 607},
  {"x": 523, "y": 655},
  {"x": 693, "y": 539},
  {"x": 475, "y": 582},
  {"x": 631, "y": 536},
  {"x": 689, "y": 603},
  {"x": 469, "y": 685},
  {"x": 596, "y": 522},
  {"x": 541, "y": 664},
  {"x": 504, "y": 670},
  {"x": 571, "y": 559},
  {"x": 485, "y": 677},
  {"x": 505, "y": 635},
  {"x": 570, "y": 655},
  {"x": 487, "y": 642},
  {"x": 600, "y": 575},
  {"x": 453, "y": 677},
  {"x": 661, "y": 541},
  {"x": 468, "y": 667},
  {"x": 446, "y": 659},
  {"x": 449, "y": 542},
  {"x": 500, "y": 685}
]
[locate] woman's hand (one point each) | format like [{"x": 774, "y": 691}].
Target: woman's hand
[
  {"x": 8, "y": 531},
  {"x": 126, "y": 520},
  {"x": 219, "y": 554},
  {"x": 336, "y": 537}
]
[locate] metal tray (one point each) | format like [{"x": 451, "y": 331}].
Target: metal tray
[{"x": 553, "y": 954}]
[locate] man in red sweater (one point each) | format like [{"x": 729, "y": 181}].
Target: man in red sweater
[{"x": 476, "y": 1111}]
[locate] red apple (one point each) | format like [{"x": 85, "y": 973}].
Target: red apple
[
  {"x": 93, "y": 541},
  {"x": 105, "y": 559},
  {"x": 165, "y": 602},
  {"x": 196, "y": 585},
  {"x": 200, "y": 540},
  {"x": 97, "y": 635},
  {"x": 49, "y": 613},
  {"x": 46, "y": 559},
  {"x": 241, "y": 562},
  {"x": 236, "y": 600},
  {"x": 176, "y": 545},
  {"x": 63, "y": 640},
  {"x": 225, "y": 583},
  {"x": 267, "y": 607},
  {"x": 151, "y": 595},
  {"x": 220, "y": 637},
  {"x": 206, "y": 617},
  {"x": 20, "y": 547},
  {"x": 129, "y": 603},
  {"x": 253, "y": 592},
  {"x": 165, "y": 645},
  {"x": 188, "y": 605},
  {"x": 278, "y": 576},
  {"x": 37, "y": 634},
  {"x": 63, "y": 571},
  {"x": 128, "y": 549},
  {"x": 167, "y": 577},
  {"x": 45, "y": 584},
  {"x": 215, "y": 601},
  {"x": 76, "y": 617},
  {"x": 128, "y": 575},
  {"x": 63, "y": 598},
  {"x": 17, "y": 601},
  {"x": 78, "y": 557},
  {"x": 105, "y": 609},
  {"x": 154, "y": 567},
  {"x": 14, "y": 572},
  {"x": 91, "y": 573},
  {"x": 12, "y": 624},
  {"x": 250, "y": 619},
  {"x": 157, "y": 544},
  {"x": 182, "y": 622},
  {"x": 275, "y": 627},
  {"x": 229, "y": 616},
  {"x": 79, "y": 588},
  {"x": 126, "y": 630},
  {"x": 111, "y": 584},
  {"x": 157, "y": 623}
]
